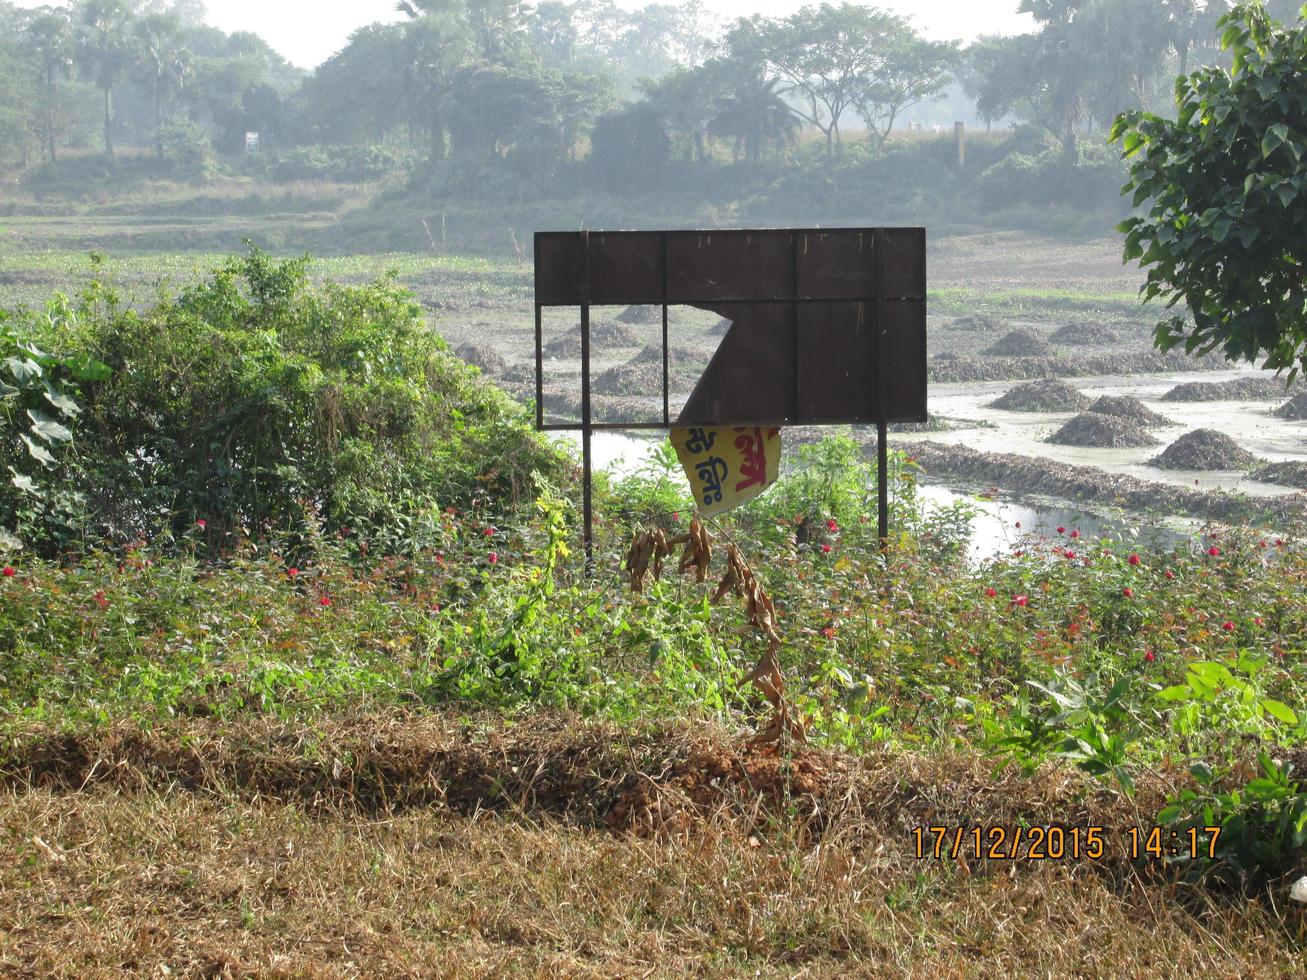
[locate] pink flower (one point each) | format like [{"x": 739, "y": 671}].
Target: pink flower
[
  {"x": 1213, "y": 551},
  {"x": 1259, "y": 621},
  {"x": 493, "y": 558},
  {"x": 1133, "y": 559},
  {"x": 676, "y": 516},
  {"x": 1018, "y": 524},
  {"x": 489, "y": 532},
  {"x": 1228, "y": 626},
  {"x": 1150, "y": 656},
  {"x": 1020, "y": 600},
  {"x": 201, "y": 523},
  {"x": 324, "y": 600},
  {"x": 8, "y": 571},
  {"x": 825, "y": 549},
  {"x": 1075, "y": 534},
  {"x": 832, "y": 526},
  {"x": 1128, "y": 592},
  {"x": 1170, "y": 574},
  {"x": 292, "y": 571},
  {"x": 991, "y": 592},
  {"x": 1071, "y": 555}
]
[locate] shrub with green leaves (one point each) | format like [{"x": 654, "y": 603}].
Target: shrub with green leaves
[{"x": 254, "y": 396}]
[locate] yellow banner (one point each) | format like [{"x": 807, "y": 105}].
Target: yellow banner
[{"x": 727, "y": 466}]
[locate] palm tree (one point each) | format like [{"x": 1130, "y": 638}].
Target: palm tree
[
  {"x": 104, "y": 50},
  {"x": 757, "y": 116},
  {"x": 163, "y": 64},
  {"x": 51, "y": 37}
]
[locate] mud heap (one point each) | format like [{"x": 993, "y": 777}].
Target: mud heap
[
  {"x": 1019, "y": 343},
  {"x": 1295, "y": 409},
  {"x": 610, "y": 333},
  {"x": 1084, "y": 333},
  {"x": 1126, "y": 407},
  {"x": 565, "y": 345},
  {"x": 486, "y": 358},
  {"x": 1045, "y": 395},
  {"x": 1094, "y": 431},
  {"x": 523, "y": 373},
  {"x": 1237, "y": 389},
  {"x": 653, "y": 354},
  {"x": 1283, "y": 474},
  {"x": 977, "y": 322},
  {"x": 642, "y": 314},
  {"x": 1204, "y": 449},
  {"x": 642, "y": 378}
]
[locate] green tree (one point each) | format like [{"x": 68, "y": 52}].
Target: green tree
[
  {"x": 912, "y": 71},
  {"x": 163, "y": 63},
  {"x": 1226, "y": 183},
  {"x": 756, "y": 115},
  {"x": 104, "y": 50},
  {"x": 50, "y": 39}
]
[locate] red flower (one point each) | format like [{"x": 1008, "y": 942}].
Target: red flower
[
  {"x": 1061, "y": 530},
  {"x": 9, "y": 571},
  {"x": 829, "y": 632},
  {"x": 1017, "y": 554},
  {"x": 1020, "y": 600},
  {"x": 1170, "y": 574},
  {"x": 1279, "y": 542},
  {"x": 991, "y": 592},
  {"x": 489, "y": 532},
  {"x": 493, "y": 558},
  {"x": 1228, "y": 626},
  {"x": 100, "y": 600},
  {"x": 292, "y": 571},
  {"x": 1018, "y": 524},
  {"x": 1071, "y": 555},
  {"x": 1133, "y": 559},
  {"x": 1262, "y": 544},
  {"x": 201, "y": 523},
  {"x": 677, "y": 516},
  {"x": 435, "y": 607},
  {"x": 1075, "y": 534},
  {"x": 1150, "y": 656},
  {"x": 1128, "y": 592},
  {"x": 1259, "y": 621},
  {"x": 1213, "y": 551},
  {"x": 324, "y": 600}
]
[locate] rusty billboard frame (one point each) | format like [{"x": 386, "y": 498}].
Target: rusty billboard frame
[{"x": 819, "y": 314}]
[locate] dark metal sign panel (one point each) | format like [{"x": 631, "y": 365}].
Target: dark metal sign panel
[{"x": 828, "y": 326}]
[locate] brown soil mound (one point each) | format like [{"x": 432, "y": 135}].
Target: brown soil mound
[
  {"x": 1283, "y": 474},
  {"x": 610, "y": 333},
  {"x": 1102, "y": 432},
  {"x": 643, "y": 314},
  {"x": 1019, "y": 343},
  {"x": 1090, "y": 485},
  {"x": 1238, "y": 389},
  {"x": 964, "y": 369},
  {"x": 1126, "y": 407},
  {"x": 523, "y": 373},
  {"x": 1295, "y": 409},
  {"x": 486, "y": 358},
  {"x": 1084, "y": 333},
  {"x": 565, "y": 345},
  {"x": 653, "y": 354},
  {"x": 636, "y": 378},
  {"x": 978, "y": 323},
  {"x": 1045, "y": 395},
  {"x": 1204, "y": 449}
]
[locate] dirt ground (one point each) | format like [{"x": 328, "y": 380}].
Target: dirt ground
[{"x": 454, "y": 846}]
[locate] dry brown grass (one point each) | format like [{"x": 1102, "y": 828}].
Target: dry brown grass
[{"x": 130, "y": 870}]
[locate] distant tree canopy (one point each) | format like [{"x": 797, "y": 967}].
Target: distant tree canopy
[{"x": 1226, "y": 186}]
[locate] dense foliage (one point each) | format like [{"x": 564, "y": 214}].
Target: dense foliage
[
  {"x": 251, "y": 399},
  {"x": 1225, "y": 182}
]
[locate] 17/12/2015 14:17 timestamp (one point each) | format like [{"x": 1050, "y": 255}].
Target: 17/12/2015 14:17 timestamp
[{"x": 1056, "y": 842}]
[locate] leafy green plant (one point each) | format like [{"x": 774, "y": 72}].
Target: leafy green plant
[{"x": 1263, "y": 823}]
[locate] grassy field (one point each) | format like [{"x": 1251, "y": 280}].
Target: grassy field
[{"x": 443, "y": 746}]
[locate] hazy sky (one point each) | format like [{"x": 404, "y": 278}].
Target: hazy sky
[{"x": 307, "y": 31}]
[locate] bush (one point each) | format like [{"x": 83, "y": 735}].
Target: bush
[
  {"x": 332, "y": 164},
  {"x": 252, "y": 398},
  {"x": 186, "y": 149}
]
